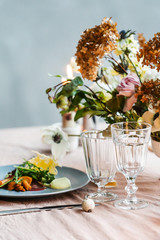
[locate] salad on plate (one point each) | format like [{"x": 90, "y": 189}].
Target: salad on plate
[{"x": 34, "y": 174}]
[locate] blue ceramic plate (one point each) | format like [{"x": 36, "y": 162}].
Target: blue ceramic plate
[{"x": 78, "y": 180}]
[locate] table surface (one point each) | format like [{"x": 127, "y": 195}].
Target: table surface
[{"x": 105, "y": 222}]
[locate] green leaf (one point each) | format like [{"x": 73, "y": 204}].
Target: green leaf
[
  {"x": 58, "y": 76},
  {"x": 69, "y": 89},
  {"x": 98, "y": 113},
  {"x": 81, "y": 113},
  {"x": 84, "y": 93},
  {"x": 115, "y": 104},
  {"x": 77, "y": 99},
  {"x": 29, "y": 169},
  {"x": 63, "y": 112},
  {"x": 99, "y": 105},
  {"x": 78, "y": 81}
]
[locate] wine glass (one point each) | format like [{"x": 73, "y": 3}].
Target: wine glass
[
  {"x": 100, "y": 162},
  {"x": 131, "y": 146}
]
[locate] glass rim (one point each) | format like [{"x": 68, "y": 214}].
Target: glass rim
[
  {"x": 85, "y": 134},
  {"x": 148, "y": 126}
]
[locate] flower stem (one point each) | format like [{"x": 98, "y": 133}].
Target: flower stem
[
  {"x": 105, "y": 82},
  {"x": 103, "y": 106},
  {"x": 117, "y": 63},
  {"x": 62, "y": 83},
  {"x": 57, "y": 90},
  {"x": 134, "y": 67},
  {"x": 60, "y": 86},
  {"x": 73, "y": 135}
]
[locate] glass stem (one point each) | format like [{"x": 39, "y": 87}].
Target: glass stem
[
  {"x": 100, "y": 188},
  {"x": 131, "y": 189}
]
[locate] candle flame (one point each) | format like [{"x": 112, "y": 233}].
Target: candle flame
[
  {"x": 69, "y": 74},
  {"x": 69, "y": 71}
]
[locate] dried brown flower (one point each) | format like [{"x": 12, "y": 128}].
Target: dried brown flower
[
  {"x": 149, "y": 92},
  {"x": 93, "y": 45},
  {"x": 141, "y": 39},
  {"x": 150, "y": 52}
]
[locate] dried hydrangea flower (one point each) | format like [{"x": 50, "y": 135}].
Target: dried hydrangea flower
[
  {"x": 141, "y": 39},
  {"x": 149, "y": 92},
  {"x": 93, "y": 45},
  {"x": 150, "y": 52}
]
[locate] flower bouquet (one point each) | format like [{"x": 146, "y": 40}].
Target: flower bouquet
[{"x": 124, "y": 76}]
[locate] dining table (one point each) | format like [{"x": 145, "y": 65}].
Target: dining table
[{"x": 105, "y": 222}]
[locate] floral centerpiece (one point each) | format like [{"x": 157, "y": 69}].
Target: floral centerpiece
[{"x": 124, "y": 73}]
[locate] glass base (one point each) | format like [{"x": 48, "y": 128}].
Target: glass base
[
  {"x": 130, "y": 205},
  {"x": 102, "y": 197}
]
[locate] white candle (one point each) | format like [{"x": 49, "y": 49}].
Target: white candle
[{"x": 68, "y": 118}]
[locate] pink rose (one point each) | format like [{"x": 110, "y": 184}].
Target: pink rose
[
  {"x": 129, "y": 103},
  {"x": 127, "y": 85},
  {"x": 127, "y": 88}
]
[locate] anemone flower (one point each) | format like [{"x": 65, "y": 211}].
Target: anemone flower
[{"x": 58, "y": 140}]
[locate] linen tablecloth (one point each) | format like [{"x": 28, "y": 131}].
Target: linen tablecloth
[{"x": 105, "y": 223}]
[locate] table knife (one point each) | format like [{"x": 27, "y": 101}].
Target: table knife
[{"x": 38, "y": 209}]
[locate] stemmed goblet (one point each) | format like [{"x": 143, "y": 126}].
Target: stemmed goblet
[
  {"x": 100, "y": 162},
  {"x": 131, "y": 146}
]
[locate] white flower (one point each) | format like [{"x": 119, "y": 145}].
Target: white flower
[
  {"x": 111, "y": 77},
  {"x": 57, "y": 138},
  {"x": 128, "y": 43},
  {"x": 150, "y": 74},
  {"x": 101, "y": 87},
  {"x": 146, "y": 73}
]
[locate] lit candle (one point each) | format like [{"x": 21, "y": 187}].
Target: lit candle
[
  {"x": 68, "y": 118},
  {"x": 69, "y": 71}
]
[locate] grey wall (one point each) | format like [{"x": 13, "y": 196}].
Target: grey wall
[{"x": 38, "y": 37}]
